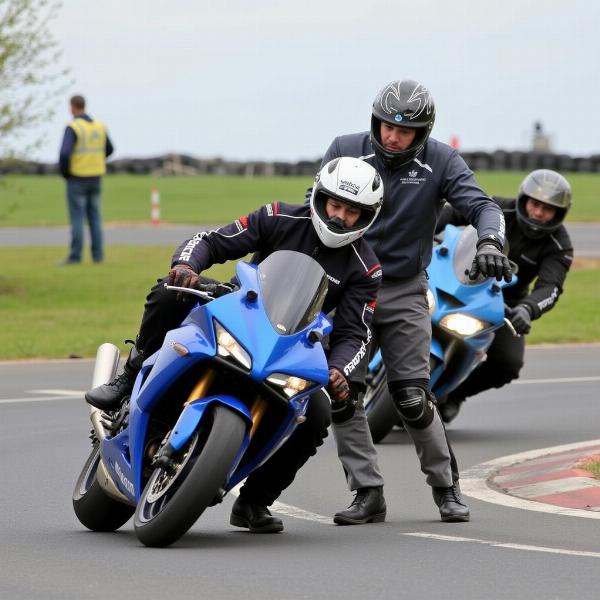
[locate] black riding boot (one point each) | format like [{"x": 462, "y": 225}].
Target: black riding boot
[
  {"x": 368, "y": 506},
  {"x": 110, "y": 395}
]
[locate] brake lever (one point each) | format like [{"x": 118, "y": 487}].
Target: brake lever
[
  {"x": 199, "y": 293},
  {"x": 511, "y": 327}
]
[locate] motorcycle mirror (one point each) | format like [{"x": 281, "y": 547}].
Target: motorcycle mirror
[{"x": 314, "y": 337}]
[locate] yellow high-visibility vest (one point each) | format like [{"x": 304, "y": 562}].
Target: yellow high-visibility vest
[{"x": 88, "y": 158}]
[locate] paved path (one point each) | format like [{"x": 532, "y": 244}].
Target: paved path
[
  {"x": 586, "y": 236},
  {"x": 504, "y": 552}
]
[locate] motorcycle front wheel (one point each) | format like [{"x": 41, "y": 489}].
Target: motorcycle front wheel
[
  {"x": 174, "y": 498},
  {"x": 94, "y": 509}
]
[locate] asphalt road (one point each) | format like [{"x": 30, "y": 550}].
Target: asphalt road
[
  {"x": 585, "y": 236},
  {"x": 45, "y": 553}
]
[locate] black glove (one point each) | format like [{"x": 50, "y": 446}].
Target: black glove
[
  {"x": 490, "y": 262},
  {"x": 337, "y": 387},
  {"x": 343, "y": 402},
  {"x": 183, "y": 276},
  {"x": 520, "y": 317}
]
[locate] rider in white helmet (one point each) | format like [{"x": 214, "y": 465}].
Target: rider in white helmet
[
  {"x": 348, "y": 181},
  {"x": 347, "y": 198}
]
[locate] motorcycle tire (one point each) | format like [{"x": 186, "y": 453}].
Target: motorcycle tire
[
  {"x": 174, "y": 499},
  {"x": 381, "y": 412},
  {"x": 94, "y": 509}
]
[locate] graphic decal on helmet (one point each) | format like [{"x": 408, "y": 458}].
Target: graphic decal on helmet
[
  {"x": 422, "y": 97},
  {"x": 348, "y": 186},
  {"x": 390, "y": 98}
]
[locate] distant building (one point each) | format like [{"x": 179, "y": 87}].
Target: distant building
[{"x": 540, "y": 141}]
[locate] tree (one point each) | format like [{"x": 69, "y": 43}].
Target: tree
[{"x": 30, "y": 78}]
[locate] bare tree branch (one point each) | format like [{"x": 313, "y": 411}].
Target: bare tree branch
[{"x": 30, "y": 76}]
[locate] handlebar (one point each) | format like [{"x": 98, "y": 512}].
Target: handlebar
[
  {"x": 508, "y": 323},
  {"x": 206, "y": 291}
]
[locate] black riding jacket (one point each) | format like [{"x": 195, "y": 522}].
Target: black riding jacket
[
  {"x": 548, "y": 259},
  {"x": 353, "y": 271}
]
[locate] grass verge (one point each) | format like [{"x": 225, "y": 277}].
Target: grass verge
[
  {"x": 51, "y": 312},
  {"x": 592, "y": 464},
  {"x": 209, "y": 199}
]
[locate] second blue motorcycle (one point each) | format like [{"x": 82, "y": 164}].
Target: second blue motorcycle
[{"x": 465, "y": 314}]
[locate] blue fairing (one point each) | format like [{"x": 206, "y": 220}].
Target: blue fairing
[
  {"x": 271, "y": 352},
  {"x": 453, "y": 356},
  {"x": 453, "y": 294}
]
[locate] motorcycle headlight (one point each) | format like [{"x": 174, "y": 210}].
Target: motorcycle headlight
[
  {"x": 290, "y": 385},
  {"x": 229, "y": 347},
  {"x": 430, "y": 301},
  {"x": 461, "y": 324}
]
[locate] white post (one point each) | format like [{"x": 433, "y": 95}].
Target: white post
[{"x": 155, "y": 206}]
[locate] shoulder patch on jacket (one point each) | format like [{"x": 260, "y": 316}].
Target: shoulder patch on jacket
[
  {"x": 374, "y": 272},
  {"x": 242, "y": 223}
]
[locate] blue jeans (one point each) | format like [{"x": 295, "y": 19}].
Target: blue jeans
[{"x": 83, "y": 198}]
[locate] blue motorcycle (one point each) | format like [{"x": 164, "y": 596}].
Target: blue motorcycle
[
  {"x": 465, "y": 314},
  {"x": 224, "y": 392}
]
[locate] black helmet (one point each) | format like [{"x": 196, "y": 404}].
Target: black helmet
[
  {"x": 550, "y": 188},
  {"x": 404, "y": 103}
]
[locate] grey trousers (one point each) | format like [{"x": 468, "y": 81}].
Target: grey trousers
[{"x": 402, "y": 329}]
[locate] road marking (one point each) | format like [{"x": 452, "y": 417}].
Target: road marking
[
  {"x": 58, "y": 392},
  {"x": 473, "y": 482},
  {"x": 497, "y": 544},
  {"x": 289, "y": 510},
  {"x": 64, "y": 394},
  {"x": 38, "y": 399},
  {"x": 48, "y": 395},
  {"x": 556, "y": 380}
]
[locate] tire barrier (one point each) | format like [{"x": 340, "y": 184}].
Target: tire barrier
[{"x": 181, "y": 164}]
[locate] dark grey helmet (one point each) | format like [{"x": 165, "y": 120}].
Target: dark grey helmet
[
  {"x": 404, "y": 103},
  {"x": 549, "y": 187}
]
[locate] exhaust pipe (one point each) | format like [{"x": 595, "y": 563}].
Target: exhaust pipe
[{"x": 105, "y": 369}]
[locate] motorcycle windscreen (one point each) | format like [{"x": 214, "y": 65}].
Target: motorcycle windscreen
[
  {"x": 464, "y": 253},
  {"x": 293, "y": 288}
]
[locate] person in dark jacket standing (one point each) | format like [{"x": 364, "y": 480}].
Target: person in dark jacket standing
[
  {"x": 538, "y": 243},
  {"x": 345, "y": 202},
  {"x": 418, "y": 172},
  {"x": 82, "y": 163}
]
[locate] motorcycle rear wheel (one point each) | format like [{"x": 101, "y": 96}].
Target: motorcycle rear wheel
[
  {"x": 94, "y": 509},
  {"x": 173, "y": 500}
]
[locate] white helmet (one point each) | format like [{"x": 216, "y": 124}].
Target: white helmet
[{"x": 354, "y": 182}]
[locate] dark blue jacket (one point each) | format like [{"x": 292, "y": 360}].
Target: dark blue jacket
[{"x": 402, "y": 235}]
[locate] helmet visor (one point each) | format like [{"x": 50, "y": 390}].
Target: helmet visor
[{"x": 336, "y": 225}]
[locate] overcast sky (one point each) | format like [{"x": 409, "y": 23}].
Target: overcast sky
[{"x": 269, "y": 79}]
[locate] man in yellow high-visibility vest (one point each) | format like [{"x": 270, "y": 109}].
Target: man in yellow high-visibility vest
[{"x": 82, "y": 161}]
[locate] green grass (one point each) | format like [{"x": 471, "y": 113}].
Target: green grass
[
  {"x": 39, "y": 200},
  {"x": 51, "y": 312},
  {"x": 576, "y": 317},
  {"x": 593, "y": 466}
]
